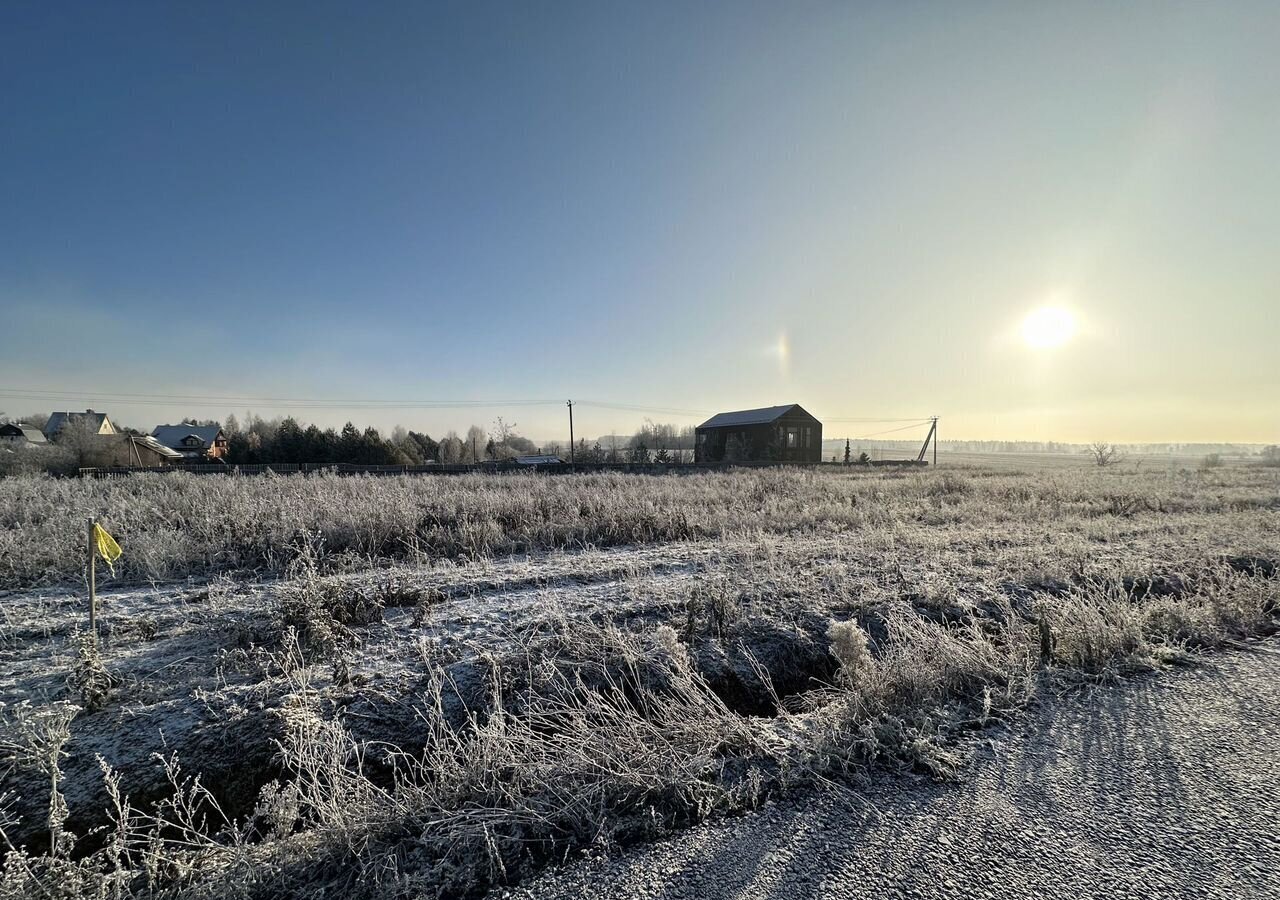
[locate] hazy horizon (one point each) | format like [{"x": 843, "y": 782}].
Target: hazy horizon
[
  {"x": 887, "y": 435},
  {"x": 1047, "y": 222}
]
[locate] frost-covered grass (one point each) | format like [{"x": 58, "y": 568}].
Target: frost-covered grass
[
  {"x": 405, "y": 714},
  {"x": 176, "y": 526}
]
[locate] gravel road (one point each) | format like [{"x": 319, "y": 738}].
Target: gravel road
[{"x": 1162, "y": 787}]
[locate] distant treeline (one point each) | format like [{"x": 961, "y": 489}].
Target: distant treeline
[
  {"x": 286, "y": 440},
  {"x": 289, "y": 441},
  {"x": 834, "y": 445}
]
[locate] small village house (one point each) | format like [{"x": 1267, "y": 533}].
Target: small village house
[
  {"x": 130, "y": 450},
  {"x": 193, "y": 442},
  {"x": 95, "y": 440},
  {"x": 773, "y": 434},
  {"x": 88, "y": 422},
  {"x": 18, "y": 433}
]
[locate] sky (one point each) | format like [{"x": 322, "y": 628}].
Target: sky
[{"x": 683, "y": 207}]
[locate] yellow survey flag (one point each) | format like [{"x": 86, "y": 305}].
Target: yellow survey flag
[{"x": 106, "y": 546}]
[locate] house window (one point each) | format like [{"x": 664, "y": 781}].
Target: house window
[
  {"x": 793, "y": 438},
  {"x": 806, "y": 437}
]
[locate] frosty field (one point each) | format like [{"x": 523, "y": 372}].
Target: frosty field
[{"x": 429, "y": 686}]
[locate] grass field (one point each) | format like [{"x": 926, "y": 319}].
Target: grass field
[
  {"x": 398, "y": 687},
  {"x": 1135, "y": 463}
]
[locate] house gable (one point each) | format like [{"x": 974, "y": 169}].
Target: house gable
[{"x": 90, "y": 421}]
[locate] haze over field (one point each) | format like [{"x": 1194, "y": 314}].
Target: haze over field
[{"x": 1042, "y": 222}]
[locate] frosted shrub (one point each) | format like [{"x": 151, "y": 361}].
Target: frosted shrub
[
  {"x": 90, "y": 678},
  {"x": 849, "y": 647},
  {"x": 670, "y": 642}
]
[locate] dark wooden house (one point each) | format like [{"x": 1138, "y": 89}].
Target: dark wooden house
[{"x": 773, "y": 434}]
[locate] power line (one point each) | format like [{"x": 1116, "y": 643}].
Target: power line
[
  {"x": 631, "y": 407},
  {"x": 280, "y": 402},
  {"x": 874, "y": 421},
  {"x": 890, "y": 430},
  {"x": 123, "y": 397}
]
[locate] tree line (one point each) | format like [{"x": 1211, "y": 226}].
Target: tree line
[{"x": 287, "y": 440}]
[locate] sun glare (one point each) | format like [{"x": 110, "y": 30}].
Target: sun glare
[
  {"x": 782, "y": 350},
  {"x": 1049, "y": 326}
]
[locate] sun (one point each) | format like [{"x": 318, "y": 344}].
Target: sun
[{"x": 1047, "y": 327}]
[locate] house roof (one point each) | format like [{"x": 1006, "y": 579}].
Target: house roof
[
  {"x": 172, "y": 435},
  {"x": 60, "y": 420},
  {"x": 750, "y": 416},
  {"x": 544, "y": 459},
  {"x": 148, "y": 441},
  {"x": 143, "y": 440},
  {"x": 33, "y": 434}
]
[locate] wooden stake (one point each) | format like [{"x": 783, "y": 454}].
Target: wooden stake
[{"x": 93, "y": 584}]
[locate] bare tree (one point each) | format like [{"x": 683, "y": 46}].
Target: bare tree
[
  {"x": 503, "y": 431},
  {"x": 1105, "y": 454},
  {"x": 475, "y": 442},
  {"x": 451, "y": 450},
  {"x": 665, "y": 437},
  {"x": 507, "y": 444},
  {"x": 84, "y": 443}
]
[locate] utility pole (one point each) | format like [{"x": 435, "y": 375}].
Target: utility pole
[
  {"x": 572, "y": 460},
  {"x": 931, "y": 436}
]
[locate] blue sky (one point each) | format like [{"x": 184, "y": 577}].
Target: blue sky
[{"x": 643, "y": 203}]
